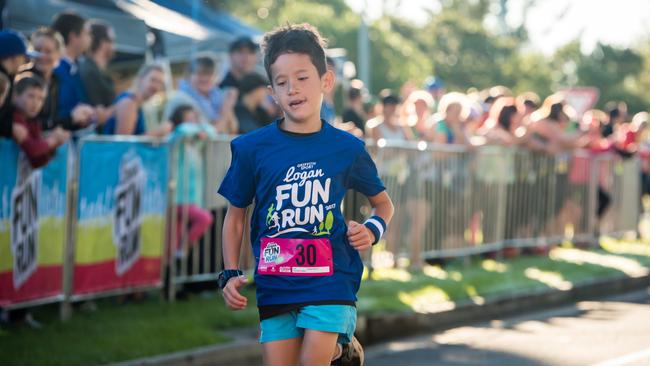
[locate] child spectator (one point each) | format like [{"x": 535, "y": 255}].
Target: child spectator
[
  {"x": 48, "y": 43},
  {"x": 192, "y": 221},
  {"x": 28, "y": 98}
]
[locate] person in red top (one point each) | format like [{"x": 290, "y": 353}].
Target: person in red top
[{"x": 28, "y": 99}]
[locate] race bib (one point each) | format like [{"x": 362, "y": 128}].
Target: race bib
[{"x": 295, "y": 257}]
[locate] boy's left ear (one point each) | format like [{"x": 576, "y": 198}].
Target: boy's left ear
[{"x": 328, "y": 80}]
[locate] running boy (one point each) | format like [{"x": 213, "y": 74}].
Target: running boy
[{"x": 297, "y": 170}]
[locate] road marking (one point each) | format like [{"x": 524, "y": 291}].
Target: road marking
[{"x": 626, "y": 359}]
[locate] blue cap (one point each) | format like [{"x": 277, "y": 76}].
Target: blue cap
[
  {"x": 12, "y": 44},
  {"x": 433, "y": 83}
]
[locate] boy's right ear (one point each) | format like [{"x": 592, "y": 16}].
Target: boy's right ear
[{"x": 272, "y": 92}]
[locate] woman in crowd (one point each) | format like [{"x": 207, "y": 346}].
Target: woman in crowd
[
  {"x": 128, "y": 116},
  {"x": 49, "y": 44}
]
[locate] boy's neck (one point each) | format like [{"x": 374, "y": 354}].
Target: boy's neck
[{"x": 311, "y": 126}]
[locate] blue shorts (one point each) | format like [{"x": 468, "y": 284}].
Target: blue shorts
[{"x": 341, "y": 319}]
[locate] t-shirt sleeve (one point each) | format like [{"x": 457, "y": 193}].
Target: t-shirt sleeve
[
  {"x": 238, "y": 186},
  {"x": 363, "y": 176}
]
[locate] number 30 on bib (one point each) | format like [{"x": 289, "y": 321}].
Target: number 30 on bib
[{"x": 295, "y": 257}]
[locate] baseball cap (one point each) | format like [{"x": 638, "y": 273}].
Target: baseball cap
[
  {"x": 13, "y": 43},
  {"x": 433, "y": 83}
]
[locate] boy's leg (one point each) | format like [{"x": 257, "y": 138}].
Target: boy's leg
[
  {"x": 318, "y": 348},
  {"x": 281, "y": 340},
  {"x": 285, "y": 352}
]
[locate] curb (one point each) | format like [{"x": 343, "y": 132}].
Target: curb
[
  {"x": 245, "y": 349},
  {"x": 386, "y": 326}
]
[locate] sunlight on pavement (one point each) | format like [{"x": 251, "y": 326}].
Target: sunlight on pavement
[
  {"x": 551, "y": 279},
  {"x": 628, "y": 266}
]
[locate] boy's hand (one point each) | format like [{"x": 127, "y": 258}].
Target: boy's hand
[
  {"x": 235, "y": 300},
  {"x": 360, "y": 237},
  {"x": 19, "y": 132}
]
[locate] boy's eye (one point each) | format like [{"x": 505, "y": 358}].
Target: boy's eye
[
  {"x": 280, "y": 83},
  {"x": 303, "y": 78}
]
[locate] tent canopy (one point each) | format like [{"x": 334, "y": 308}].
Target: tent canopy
[{"x": 184, "y": 26}]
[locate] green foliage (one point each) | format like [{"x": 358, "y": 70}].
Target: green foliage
[
  {"x": 457, "y": 46},
  {"x": 329, "y": 221}
]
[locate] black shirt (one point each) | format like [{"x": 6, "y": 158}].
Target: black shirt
[
  {"x": 350, "y": 115},
  {"x": 250, "y": 121},
  {"x": 99, "y": 86},
  {"x": 5, "y": 107}
]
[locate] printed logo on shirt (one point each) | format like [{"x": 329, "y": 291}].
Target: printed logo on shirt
[
  {"x": 301, "y": 202},
  {"x": 271, "y": 252}
]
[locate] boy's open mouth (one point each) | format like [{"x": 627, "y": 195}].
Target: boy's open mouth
[{"x": 296, "y": 103}]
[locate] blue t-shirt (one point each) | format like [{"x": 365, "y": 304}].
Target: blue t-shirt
[
  {"x": 301, "y": 180},
  {"x": 71, "y": 88},
  {"x": 110, "y": 126}
]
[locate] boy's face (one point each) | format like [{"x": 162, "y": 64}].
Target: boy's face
[
  {"x": 30, "y": 101},
  {"x": 297, "y": 87}
]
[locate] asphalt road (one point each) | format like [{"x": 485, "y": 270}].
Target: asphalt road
[{"x": 614, "y": 331}]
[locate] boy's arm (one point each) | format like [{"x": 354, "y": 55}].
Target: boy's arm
[
  {"x": 360, "y": 236},
  {"x": 233, "y": 228}
]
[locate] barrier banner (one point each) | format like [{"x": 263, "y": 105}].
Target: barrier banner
[
  {"x": 32, "y": 226},
  {"x": 121, "y": 216}
]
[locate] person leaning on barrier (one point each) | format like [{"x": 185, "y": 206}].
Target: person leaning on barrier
[
  {"x": 98, "y": 84},
  {"x": 128, "y": 116},
  {"x": 48, "y": 44},
  {"x": 452, "y": 114},
  {"x": 212, "y": 104},
  {"x": 72, "y": 95},
  {"x": 28, "y": 98},
  {"x": 13, "y": 52},
  {"x": 192, "y": 221}
]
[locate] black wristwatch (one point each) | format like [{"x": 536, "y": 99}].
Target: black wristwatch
[{"x": 226, "y": 275}]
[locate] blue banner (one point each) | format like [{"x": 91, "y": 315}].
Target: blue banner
[
  {"x": 32, "y": 225},
  {"x": 122, "y": 204}
]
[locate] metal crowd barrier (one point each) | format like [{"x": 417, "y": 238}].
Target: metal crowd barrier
[{"x": 450, "y": 202}]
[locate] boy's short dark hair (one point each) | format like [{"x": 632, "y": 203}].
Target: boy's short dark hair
[
  {"x": 68, "y": 22},
  {"x": 100, "y": 31},
  {"x": 294, "y": 38},
  {"x": 28, "y": 81}
]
